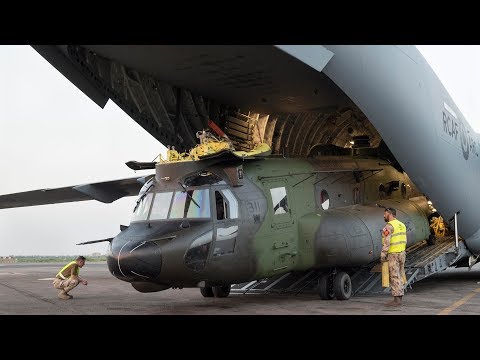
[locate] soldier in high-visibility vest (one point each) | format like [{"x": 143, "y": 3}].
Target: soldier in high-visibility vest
[
  {"x": 68, "y": 278},
  {"x": 394, "y": 242}
]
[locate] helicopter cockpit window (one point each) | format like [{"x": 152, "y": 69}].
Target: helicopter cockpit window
[
  {"x": 146, "y": 187},
  {"x": 142, "y": 208},
  {"x": 197, "y": 253},
  {"x": 221, "y": 206},
  {"x": 226, "y": 204},
  {"x": 279, "y": 200},
  {"x": 203, "y": 178},
  {"x": 225, "y": 241},
  {"x": 161, "y": 204},
  {"x": 190, "y": 204}
]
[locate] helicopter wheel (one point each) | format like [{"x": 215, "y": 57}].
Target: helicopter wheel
[
  {"x": 221, "y": 291},
  {"x": 325, "y": 290},
  {"x": 206, "y": 291},
  {"x": 342, "y": 286}
]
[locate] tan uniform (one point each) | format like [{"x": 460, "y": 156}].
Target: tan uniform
[
  {"x": 396, "y": 259},
  {"x": 63, "y": 280},
  {"x": 65, "y": 285},
  {"x": 396, "y": 263}
]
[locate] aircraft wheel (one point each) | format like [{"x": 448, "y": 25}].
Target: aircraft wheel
[
  {"x": 342, "y": 286},
  {"x": 431, "y": 239},
  {"x": 207, "y": 291},
  {"x": 221, "y": 291},
  {"x": 325, "y": 290}
]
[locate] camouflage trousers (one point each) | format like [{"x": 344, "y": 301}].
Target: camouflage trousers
[
  {"x": 65, "y": 285},
  {"x": 396, "y": 263}
]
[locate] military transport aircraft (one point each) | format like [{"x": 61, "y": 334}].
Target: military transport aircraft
[{"x": 282, "y": 159}]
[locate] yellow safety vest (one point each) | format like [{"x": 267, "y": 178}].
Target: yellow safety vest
[
  {"x": 398, "y": 239},
  {"x": 66, "y": 270}
]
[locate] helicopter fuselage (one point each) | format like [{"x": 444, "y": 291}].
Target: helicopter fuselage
[{"x": 213, "y": 223}]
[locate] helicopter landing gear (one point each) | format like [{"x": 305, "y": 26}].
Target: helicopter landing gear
[
  {"x": 335, "y": 284},
  {"x": 215, "y": 291},
  {"x": 206, "y": 291},
  {"x": 325, "y": 287},
  {"x": 221, "y": 291},
  {"x": 342, "y": 286}
]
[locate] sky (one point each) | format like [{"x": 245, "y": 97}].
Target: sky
[
  {"x": 458, "y": 68},
  {"x": 52, "y": 135}
]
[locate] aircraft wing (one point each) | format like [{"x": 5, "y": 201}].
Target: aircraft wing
[{"x": 106, "y": 192}]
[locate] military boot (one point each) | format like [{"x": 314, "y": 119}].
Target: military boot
[
  {"x": 63, "y": 295},
  {"x": 397, "y": 301},
  {"x": 390, "y": 303}
]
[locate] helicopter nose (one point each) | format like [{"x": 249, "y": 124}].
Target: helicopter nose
[{"x": 139, "y": 259}]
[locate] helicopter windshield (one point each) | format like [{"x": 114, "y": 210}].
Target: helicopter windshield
[
  {"x": 190, "y": 204},
  {"x": 143, "y": 206}
]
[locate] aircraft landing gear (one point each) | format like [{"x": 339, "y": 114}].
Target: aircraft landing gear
[
  {"x": 221, "y": 291},
  {"x": 334, "y": 284},
  {"x": 206, "y": 291},
  {"x": 325, "y": 287},
  {"x": 342, "y": 286},
  {"x": 217, "y": 291}
]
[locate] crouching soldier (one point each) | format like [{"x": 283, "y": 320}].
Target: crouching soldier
[{"x": 69, "y": 277}]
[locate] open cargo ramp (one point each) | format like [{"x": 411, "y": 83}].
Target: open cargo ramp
[{"x": 422, "y": 260}]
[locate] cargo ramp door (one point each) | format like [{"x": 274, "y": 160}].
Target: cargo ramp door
[{"x": 422, "y": 261}]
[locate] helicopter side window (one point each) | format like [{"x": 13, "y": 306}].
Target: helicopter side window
[
  {"x": 232, "y": 208},
  {"x": 225, "y": 241},
  {"x": 161, "y": 204},
  {"x": 141, "y": 211},
  {"x": 221, "y": 206},
  {"x": 226, "y": 205},
  {"x": 279, "y": 200},
  {"x": 324, "y": 199},
  {"x": 190, "y": 204}
]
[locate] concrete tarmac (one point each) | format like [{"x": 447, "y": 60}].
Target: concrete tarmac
[{"x": 26, "y": 289}]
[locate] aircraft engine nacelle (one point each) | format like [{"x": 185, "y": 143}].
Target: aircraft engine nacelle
[{"x": 351, "y": 235}]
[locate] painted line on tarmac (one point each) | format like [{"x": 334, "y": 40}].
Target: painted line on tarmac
[
  {"x": 11, "y": 273},
  {"x": 459, "y": 303}
]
